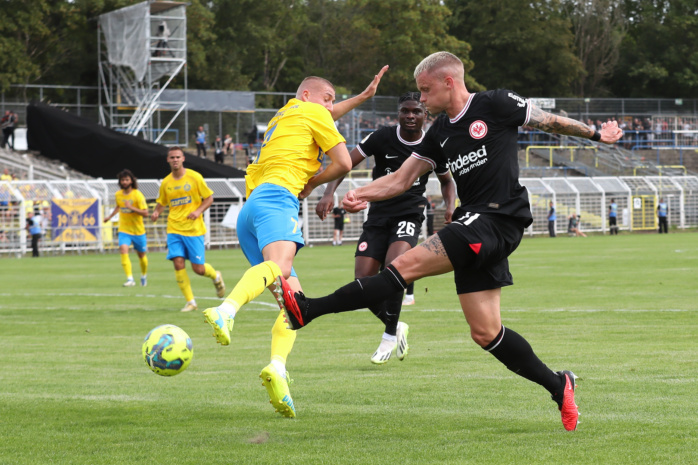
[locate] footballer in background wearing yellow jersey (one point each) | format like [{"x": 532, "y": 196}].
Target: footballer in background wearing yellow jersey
[
  {"x": 185, "y": 192},
  {"x": 132, "y": 208},
  {"x": 285, "y": 170}
]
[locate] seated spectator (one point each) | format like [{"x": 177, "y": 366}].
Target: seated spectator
[
  {"x": 228, "y": 145},
  {"x": 573, "y": 225}
]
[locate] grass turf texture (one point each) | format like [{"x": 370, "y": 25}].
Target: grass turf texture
[{"x": 618, "y": 311}]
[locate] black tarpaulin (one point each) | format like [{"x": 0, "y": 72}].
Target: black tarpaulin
[{"x": 98, "y": 151}]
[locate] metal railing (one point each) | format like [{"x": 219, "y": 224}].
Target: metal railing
[{"x": 587, "y": 197}]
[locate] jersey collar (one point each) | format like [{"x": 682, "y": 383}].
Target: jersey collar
[
  {"x": 463, "y": 111},
  {"x": 417, "y": 142}
]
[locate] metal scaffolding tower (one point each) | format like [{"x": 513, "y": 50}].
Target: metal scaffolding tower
[{"x": 141, "y": 49}]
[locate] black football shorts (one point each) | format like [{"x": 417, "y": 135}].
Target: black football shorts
[
  {"x": 379, "y": 233},
  {"x": 478, "y": 244}
]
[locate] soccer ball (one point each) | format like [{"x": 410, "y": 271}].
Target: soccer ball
[{"x": 167, "y": 350}]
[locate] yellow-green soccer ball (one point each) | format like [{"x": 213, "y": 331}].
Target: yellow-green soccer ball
[{"x": 167, "y": 350}]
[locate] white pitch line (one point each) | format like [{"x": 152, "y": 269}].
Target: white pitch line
[
  {"x": 147, "y": 296},
  {"x": 427, "y": 310}
]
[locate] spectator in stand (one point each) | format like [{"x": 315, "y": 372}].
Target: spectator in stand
[
  {"x": 6, "y": 176},
  {"x": 218, "y": 150},
  {"x": 5, "y": 199},
  {"x": 9, "y": 121},
  {"x": 639, "y": 135},
  {"x": 201, "y": 142},
  {"x": 657, "y": 131},
  {"x": 251, "y": 141},
  {"x": 228, "y": 145},
  {"x": 626, "y": 127}
]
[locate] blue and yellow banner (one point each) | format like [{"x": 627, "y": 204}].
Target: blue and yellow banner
[{"x": 75, "y": 220}]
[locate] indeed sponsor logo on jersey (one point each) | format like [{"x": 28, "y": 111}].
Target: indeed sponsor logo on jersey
[
  {"x": 125, "y": 210},
  {"x": 465, "y": 163},
  {"x": 180, "y": 201}
]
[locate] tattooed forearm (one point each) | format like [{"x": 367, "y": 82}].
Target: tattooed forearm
[
  {"x": 558, "y": 124},
  {"x": 434, "y": 245}
]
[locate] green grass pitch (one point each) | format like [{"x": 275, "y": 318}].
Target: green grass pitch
[{"x": 621, "y": 312}]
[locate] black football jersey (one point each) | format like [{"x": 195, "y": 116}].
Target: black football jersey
[
  {"x": 389, "y": 151},
  {"x": 479, "y": 147}
]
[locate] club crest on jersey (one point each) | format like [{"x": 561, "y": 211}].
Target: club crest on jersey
[
  {"x": 478, "y": 129},
  {"x": 363, "y": 246}
]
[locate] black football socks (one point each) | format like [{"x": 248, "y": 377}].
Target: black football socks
[
  {"x": 388, "y": 312},
  {"x": 516, "y": 354},
  {"x": 360, "y": 293}
]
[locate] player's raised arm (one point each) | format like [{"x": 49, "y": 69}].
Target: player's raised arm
[
  {"x": 342, "y": 108},
  {"x": 610, "y": 132},
  {"x": 386, "y": 187}
]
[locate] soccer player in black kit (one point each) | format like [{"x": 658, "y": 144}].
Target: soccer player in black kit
[
  {"x": 476, "y": 137},
  {"x": 393, "y": 225}
]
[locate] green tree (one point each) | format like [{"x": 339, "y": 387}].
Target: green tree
[
  {"x": 256, "y": 40},
  {"x": 599, "y": 27},
  {"x": 526, "y": 46},
  {"x": 353, "y": 39},
  {"x": 35, "y": 39},
  {"x": 659, "y": 57},
  {"x": 202, "y": 51}
]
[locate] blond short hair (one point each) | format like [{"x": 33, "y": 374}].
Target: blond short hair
[
  {"x": 312, "y": 83},
  {"x": 445, "y": 61}
]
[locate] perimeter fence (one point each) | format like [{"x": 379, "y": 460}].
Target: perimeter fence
[
  {"x": 73, "y": 210},
  {"x": 651, "y": 125}
]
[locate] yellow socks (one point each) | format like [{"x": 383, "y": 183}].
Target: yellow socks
[
  {"x": 282, "y": 339},
  {"x": 253, "y": 283},
  {"x": 209, "y": 272},
  {"x": 144, "y": 264},
  {"x": 126, "y": 265},
  {"x": 184, "y": 284}
]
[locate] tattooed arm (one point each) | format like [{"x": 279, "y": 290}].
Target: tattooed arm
[{"x": 610, "y": 132}]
